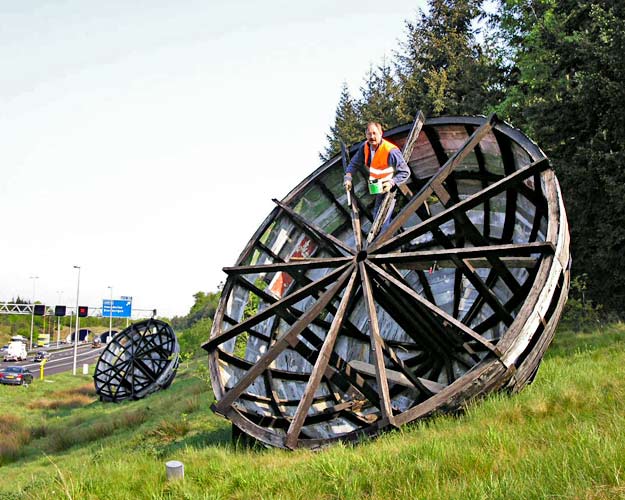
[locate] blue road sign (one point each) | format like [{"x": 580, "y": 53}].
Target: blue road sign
[{"x": 121, "y": 308}]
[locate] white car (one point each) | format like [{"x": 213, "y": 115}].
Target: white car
[{"x": 16, "y": 351}]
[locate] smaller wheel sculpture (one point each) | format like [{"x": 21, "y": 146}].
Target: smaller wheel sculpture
[{"x": 138, "y": 361}]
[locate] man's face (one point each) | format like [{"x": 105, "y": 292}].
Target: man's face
[{"x": 374, "y": 136}]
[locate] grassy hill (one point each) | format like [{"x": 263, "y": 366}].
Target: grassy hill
[{"x": 563, "y": 437}]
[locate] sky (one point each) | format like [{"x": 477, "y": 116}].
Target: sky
[{"x": 144, "y": 140}]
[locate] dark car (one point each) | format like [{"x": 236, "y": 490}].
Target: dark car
[
  {"x": 41, "y": 355},
  {"x": 16, "y": 375}
]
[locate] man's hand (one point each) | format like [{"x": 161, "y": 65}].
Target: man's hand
[
  {"x": 347, "y": 182},
  {"x": 387, "y": 186}
]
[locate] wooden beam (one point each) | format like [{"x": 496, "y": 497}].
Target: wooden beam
[
  {"x": 376, "y": 347},
  {"x": 437, "y": 179},
  {"x": 271, "y": 310},
  {"x": 466, "y": 204},
  {"x": 320, "y": 366},
  {"x": 292, "y": 265},
  {"x": 436, "y": 310},
  {"x": 396, "y": 377},
  {"x": 314, "y": 229},
  {"x": 508, "y": 250},
  {"x": 282, "y": 343}
]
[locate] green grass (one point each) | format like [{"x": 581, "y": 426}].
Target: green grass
[{"x": 562, "y": 437}]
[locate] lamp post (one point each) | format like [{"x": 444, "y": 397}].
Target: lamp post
[
  {"x": 32, "y": 316},
  {"x": 110, "y": 312},
  {"x": 77, "y": 321}
]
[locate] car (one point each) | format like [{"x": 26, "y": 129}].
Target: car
[
  {"x": 16, "y": 375},
  {"x": 41, "y": 355},
  {"x": 96, "y": 343},
  {"x": 16, "y": 351}
]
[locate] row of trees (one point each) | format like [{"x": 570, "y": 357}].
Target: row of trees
[
  {"x": 553, "y": 68},
  {"x": 198, "y": 323}
]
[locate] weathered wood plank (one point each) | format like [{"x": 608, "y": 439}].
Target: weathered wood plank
[
  {"x": 320, "y": 365},
  {"x": 271, "y": 310},
  {"x": 437, "y": 179},
  {"x": 396, "y": 377},
  {"x": 376, "y": 347},
  {"x": 466, "y": 204},
  {"x": 292, "y": 265},
  {"x": 314, "y": 229},
  {"x": 282, "y": 343}
]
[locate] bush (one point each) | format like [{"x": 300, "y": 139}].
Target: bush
[{"x": 580, "y": 313}]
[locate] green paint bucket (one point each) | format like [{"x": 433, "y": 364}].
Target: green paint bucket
[{"x": 375, "y": 186}]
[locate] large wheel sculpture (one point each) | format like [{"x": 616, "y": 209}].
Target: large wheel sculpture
[
  {"x": 329, "y": 328},
  {"x": 138, "y": 361}
]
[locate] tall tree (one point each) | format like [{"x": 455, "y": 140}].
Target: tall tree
[
  {"x": 347, "y": 125},
  {"x": 380, "y": 98},
  {"x": 444, "y": 68},
  {"x": 569, "y": 95},
  {"x": 204, "y": 308}
]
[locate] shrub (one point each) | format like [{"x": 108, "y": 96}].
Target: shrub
[{"x": 580, "y": 313}]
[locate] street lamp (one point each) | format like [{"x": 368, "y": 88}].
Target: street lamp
[
  {"x": 32, "y": 316},
  {"x": 110, "y": 312},
  {"x": 77, "y": 321}
]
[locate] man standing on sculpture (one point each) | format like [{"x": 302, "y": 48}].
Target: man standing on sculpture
[{"x": 385, "y": 163}]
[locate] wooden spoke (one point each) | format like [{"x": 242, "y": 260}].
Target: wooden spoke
[
  {"x": 352, "y": 202},
  {"x": 295, "y": 265},
  {"x": 287, "y": 339},
  {"x": 270, "y": 310},
  {"x": 469, "y": 271},
  {"x": 376, "y": 347},
  {"x": 436, "y": 310},
  {"x": 475, "y": 256},
  {"x": 434, "y": 185},
  {"x": 320, "y": 365},
  {"x": 426, "y": 329},
  {"x": 380, "y": 216},
  {"x": 413, "y": 135},
  {"x": 470, "y": 202},
  {"x": 314, "y": 229},
  {"x": 356, "y": 226}
]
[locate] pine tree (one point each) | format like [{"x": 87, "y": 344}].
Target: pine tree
[
  {"x": 570, "y": 96},
  {"x": 443, "y": 68},
  {"x": 348, "y": 126},
  {"x": 380, "y": 97}
]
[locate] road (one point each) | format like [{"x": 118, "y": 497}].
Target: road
[{"x": 61, "y": 361}]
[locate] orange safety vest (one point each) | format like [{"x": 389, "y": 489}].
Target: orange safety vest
[{"x": 379, "y": 168}]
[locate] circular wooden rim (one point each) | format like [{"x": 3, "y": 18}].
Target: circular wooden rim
[{"x": 507, "y": 281}]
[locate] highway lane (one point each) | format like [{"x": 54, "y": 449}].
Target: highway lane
[{"x": 61, "y": 361}]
